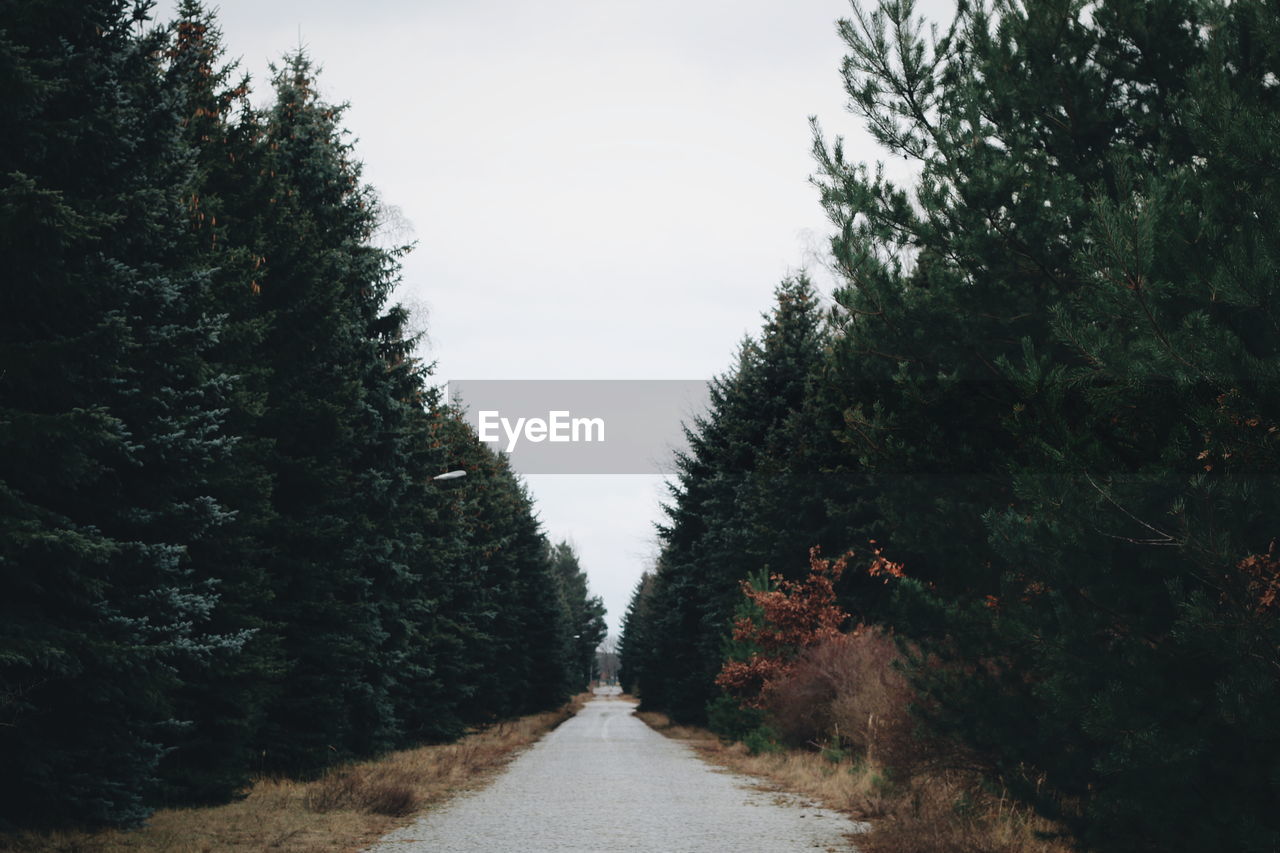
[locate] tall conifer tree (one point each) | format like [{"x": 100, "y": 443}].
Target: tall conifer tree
[
  {"x": 742, "y": 503},
  {"x": 112, "y": 419},
  {"x": 221, "y": 699},
  {"x": 1053, "y": 363},
  {"x": 322, "y": 287}
]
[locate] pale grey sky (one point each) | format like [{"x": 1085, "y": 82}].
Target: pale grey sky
[{"x": 599, "y": 189}]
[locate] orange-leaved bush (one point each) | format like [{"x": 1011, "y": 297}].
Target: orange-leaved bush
[{"x": 795, "y": 616}]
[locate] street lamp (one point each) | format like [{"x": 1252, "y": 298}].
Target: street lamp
[{"x": 450, "y": 475}]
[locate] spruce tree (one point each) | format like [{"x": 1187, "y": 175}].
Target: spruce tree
[
  {"x": 583, "y": 615},
  {"x": 322, "y": 286},
  {"x": 439, "y": 673},
  {"x": 636, "y": 641},
  {"x": 516, "y": 631},
  {"x": 112, "y": 418},
  {"x": 223, "y": 551},
  {"x": 221, "y": 699},
  {"x": 746, "y": 499}
]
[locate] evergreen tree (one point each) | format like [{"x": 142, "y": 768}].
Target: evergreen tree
[
  {"x": 744, "y": 502},
  {"x": 437, "y": 693},
  {"x": 521, "y": 660},
  {"x": 495, "y": 627},
  {"x": 222, "y": 698},
  {"x": 1051, "y": 364},
  {"x": 583, "y": 616},
  {"x": 333, "y": 425},
  {"x": 223, "y": 551},
  {"x": 112, "y": 418},
  {"x": 431, "y": 665},
  {"x": 636, "y": 641}
]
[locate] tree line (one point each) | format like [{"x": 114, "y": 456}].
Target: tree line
[
  {"x": 222, "y": 549},
  {"x": 1038, "y": 417}
]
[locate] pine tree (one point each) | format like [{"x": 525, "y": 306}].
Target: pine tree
[
  {"x": 223, "y": 551},
  {"x": 436, "y": 687},
  {"x": 488, "y": 620},
  {"x": 1051, "y": 365},
  {"x": 430, "y": 654},
  {"x": 518, "y": 649}
]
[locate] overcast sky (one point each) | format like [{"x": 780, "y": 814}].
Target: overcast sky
[{"x": 598, "y": 189}]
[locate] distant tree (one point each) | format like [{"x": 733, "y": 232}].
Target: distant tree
[
  {"x": 584, "y": 615},
  {"x": 607, "y": 659},
  {"x": 433, "y": 672},
  {"x": 744, "y": 500},
  {"x": 496, "y": 617},
  {"x": 635, "y": 643},
  {"x": 530, "y": 633}
]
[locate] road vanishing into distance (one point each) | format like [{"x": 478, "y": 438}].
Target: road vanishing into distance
[{"x": 604, "y": 781}]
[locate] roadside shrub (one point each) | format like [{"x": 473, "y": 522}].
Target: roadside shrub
[
  {"x": 762, "y": 740},
  {"x": 950, "y": 813},
  {"x": 337, "y": 789},
  {"x": 848, "y": 693},
  {"x": 390, "y": 798},
  {"x": 727, "y": 718},
  {"x": 362, "y": 790}
]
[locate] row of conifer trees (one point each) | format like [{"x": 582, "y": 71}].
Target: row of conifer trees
[
  {"x": 1045, "y": 394},
  {"x": 222, "y": 552}
]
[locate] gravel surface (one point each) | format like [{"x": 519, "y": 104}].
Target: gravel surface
[{"x": 605, "y": 781}]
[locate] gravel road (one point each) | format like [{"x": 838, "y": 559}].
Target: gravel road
[{"x": 604, "y": 781}]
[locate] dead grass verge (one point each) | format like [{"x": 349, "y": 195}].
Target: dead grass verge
[
  {"x": 347, "y": 809},
  {"x": 933, "y": 813}
]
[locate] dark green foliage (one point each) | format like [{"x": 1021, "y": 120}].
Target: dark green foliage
[
  {"x": 583, "y": 616},
  {"x": 749, "y": 497},
  {"x": 1048, "y": 389},
  {"x": 726, "y": 716},
  {"x": 1054, "y": 367},
  {"x": 110, "y": 417},
  {"x": 636, "y": 640},
  {"x": 222, "y": 698},
  {"x": 433, "y": 668},
  {"x": 517, "y": 635},
  {"x": 761, "y": 740},
  {"x": 729, "y": 719},
  {"x": 332, "y": 423},
  {"x": 221, "y": 547}
]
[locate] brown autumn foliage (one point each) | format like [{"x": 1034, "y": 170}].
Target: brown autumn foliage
[
  {"x": 843, "y": 704},
  {"x": 847, "y": 691},
  {"x": 1261, "y": 573},
  {"x": 933, "y": 812},
  {"x": 796, "y": 615}
]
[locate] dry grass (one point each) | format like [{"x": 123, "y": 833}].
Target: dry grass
[
  {"x": 932, "y": 813},
  {"x": 345, "y": 810}
]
